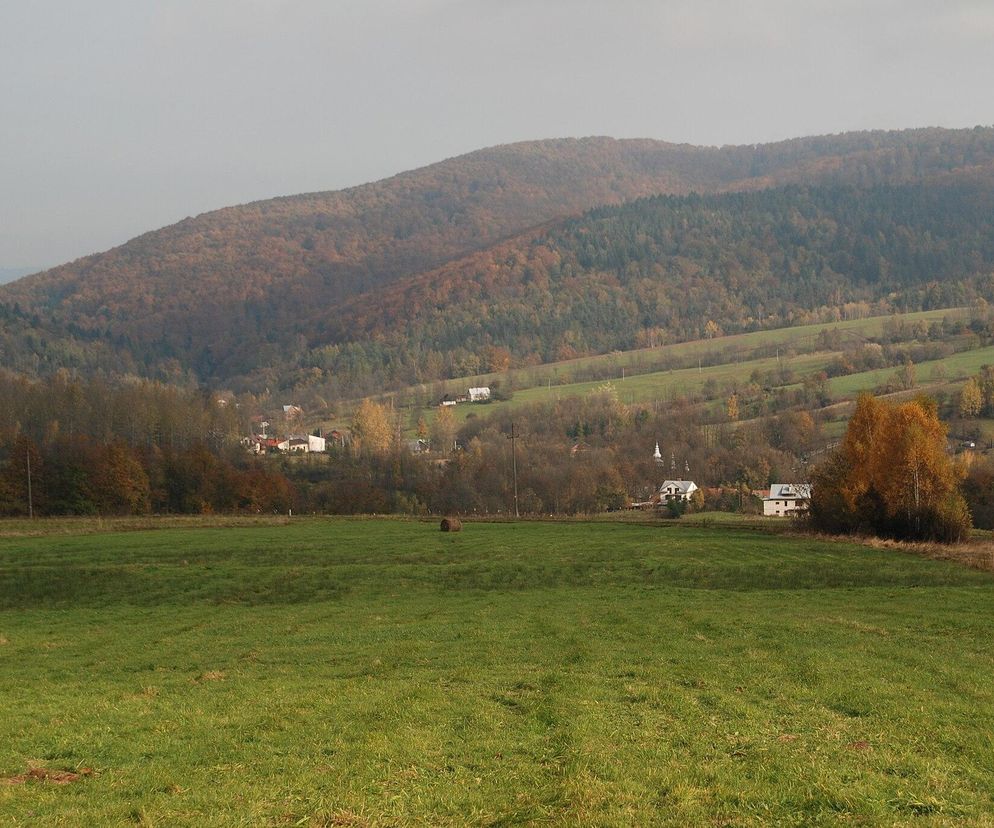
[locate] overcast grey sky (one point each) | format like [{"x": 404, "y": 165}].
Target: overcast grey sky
[{"x": 120, "y": 116}]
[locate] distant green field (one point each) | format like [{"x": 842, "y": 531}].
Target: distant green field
[
  {"x": 659, "y": 385},
  {"x": 732, "y": 358},
  {"x": 956, "y": 367},
  {"x": 546, "y": 382},
  {"x": 741, "y": 346},
  {"x": 349, "y": 672}
]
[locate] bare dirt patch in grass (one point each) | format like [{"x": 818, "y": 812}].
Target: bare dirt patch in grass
[
  {"x": 212, "y": 675},
  {"x": 53, "y": 775}
]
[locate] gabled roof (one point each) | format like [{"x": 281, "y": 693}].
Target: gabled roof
[
  {"x": 682, "y": 486},
  {"x": 789, "y": 491}
]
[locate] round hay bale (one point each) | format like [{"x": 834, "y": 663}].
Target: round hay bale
[{"x": 451, "y": 525}]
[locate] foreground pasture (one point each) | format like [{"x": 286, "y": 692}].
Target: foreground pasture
[{"x": 346, "y": 672}]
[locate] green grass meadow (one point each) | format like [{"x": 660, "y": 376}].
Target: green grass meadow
[{"x": 379, "y": 672}]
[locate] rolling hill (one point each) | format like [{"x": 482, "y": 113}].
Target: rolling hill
[{"x": 378, "y": 283}]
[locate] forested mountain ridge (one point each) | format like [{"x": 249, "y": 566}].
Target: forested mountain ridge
[
  {"x": 261, "y": 288},
  {"x": 660, "y": 269}
]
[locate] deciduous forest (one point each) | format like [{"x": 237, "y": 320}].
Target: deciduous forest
[
  {"x": 130, "y": 377},
  {"x": 489, "y": 257}
]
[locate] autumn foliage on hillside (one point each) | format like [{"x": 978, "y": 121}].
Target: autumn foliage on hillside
[
  {"x": 251, "y": 291},
  {"x": 663, "y": 269}
]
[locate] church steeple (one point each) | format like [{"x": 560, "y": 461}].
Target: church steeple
[{"x": 656, "y": 455}]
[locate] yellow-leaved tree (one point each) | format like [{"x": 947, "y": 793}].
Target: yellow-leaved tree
[
  {"x": 891, "y": 476},
  {"x": 443, "y": 430},
  {"x": 371, "y": 431},
  {"x": 970, "y": 398}
]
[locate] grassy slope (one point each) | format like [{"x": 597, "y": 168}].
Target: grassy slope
[
  {"x": 956, "y": 366},
  {"x": 740, "y": 345},
  {"x": 659, "y": 384},
  {"x": 736, "y": 366},
  {"x": 349, "y": 672}
]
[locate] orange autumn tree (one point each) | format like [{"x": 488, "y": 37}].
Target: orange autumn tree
[{"x": 891, "y": 476}]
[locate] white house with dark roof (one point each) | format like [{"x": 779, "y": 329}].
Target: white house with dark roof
[
  {"x": 302, "y": 443},
  {"x": 787, "y": 499},
  {"x": 676, "y": 490}
]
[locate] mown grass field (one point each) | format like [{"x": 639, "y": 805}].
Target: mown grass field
[{"x": 350, "y": 672}]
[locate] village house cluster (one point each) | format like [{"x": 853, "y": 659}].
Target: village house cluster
[
  {"x": 281, "y": 433},
  {"x": 780, "y": 500},
  {"x": 292, "y": 441}
]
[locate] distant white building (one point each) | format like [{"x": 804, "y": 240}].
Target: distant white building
[
  {"x": 787, "y": 499},
  {"x": 676, "y": 490},
  {"x": 302, "y": 444},
  {"x": 293, "y": 445},
  {"x": 480, "y": 394}
]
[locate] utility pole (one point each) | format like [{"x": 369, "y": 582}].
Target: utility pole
[
  {"x": 514, "y": 466},
  {"x": 31, "y": 507}
]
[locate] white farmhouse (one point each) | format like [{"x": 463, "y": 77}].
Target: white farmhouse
[
  {"x": 293, "y": 445},
  {"x": 302, "y": 444},
  {"x": 676, "y": 490},
  {"x": 480, "y": 394},
  {"x": 787, "y": 499}
]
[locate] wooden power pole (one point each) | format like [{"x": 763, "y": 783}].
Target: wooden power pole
[
  {"x": 31, "y": 507},
  {"x": 513, "y": 436}
]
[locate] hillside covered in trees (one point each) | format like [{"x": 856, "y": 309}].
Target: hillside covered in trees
[
  {"x": 673, "y": 268},
  {"x": 489, "y": 259}
]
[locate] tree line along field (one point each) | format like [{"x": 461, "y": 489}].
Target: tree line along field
[{"x": 378, "y": 672}]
